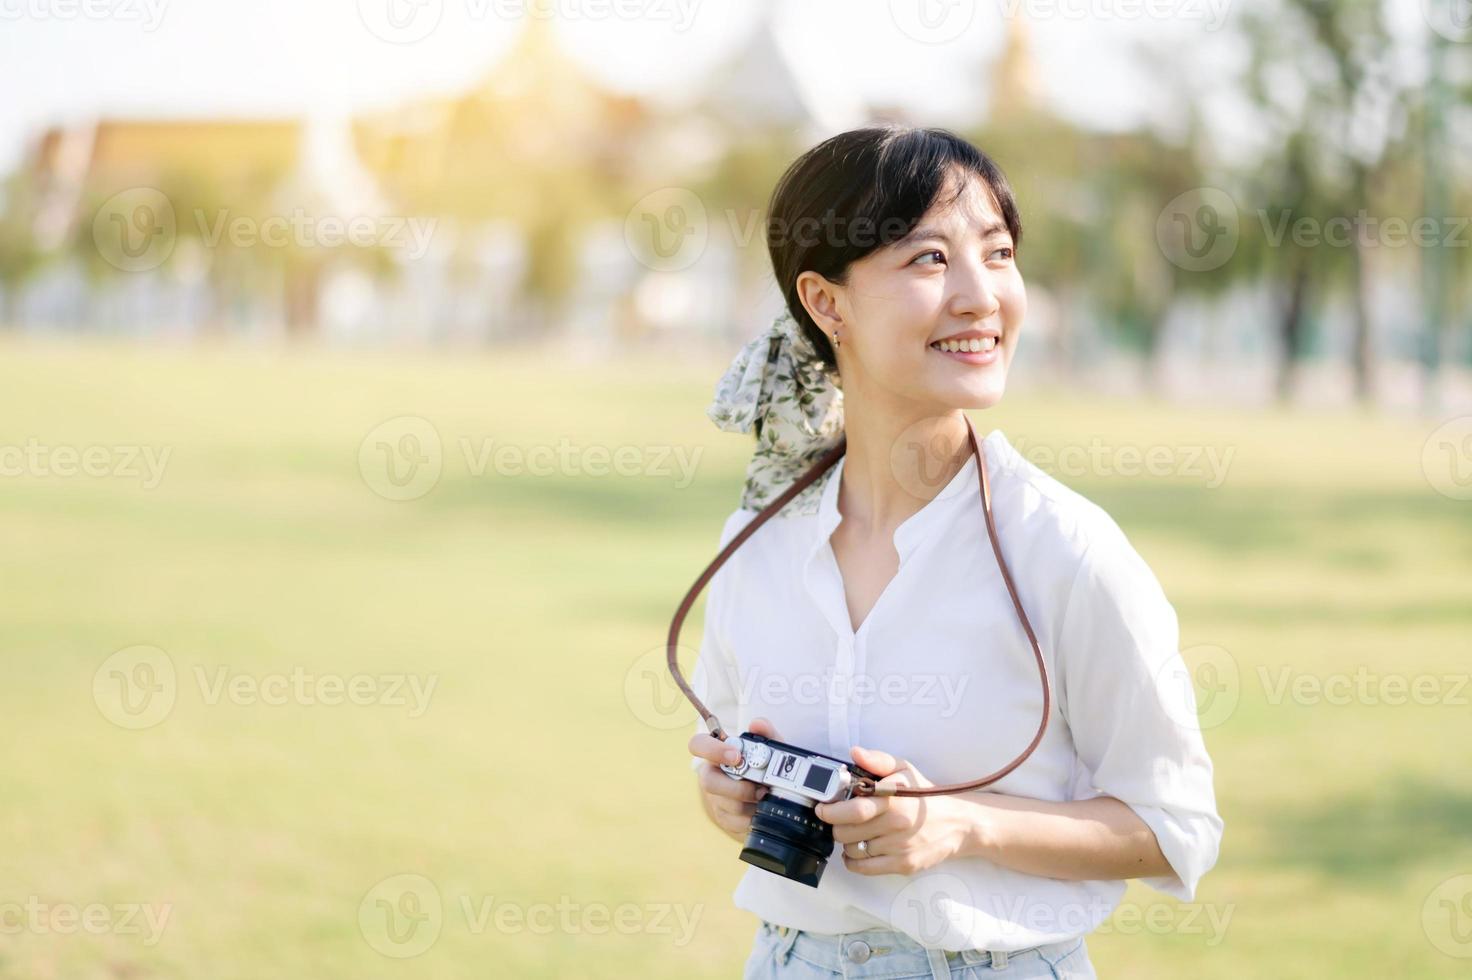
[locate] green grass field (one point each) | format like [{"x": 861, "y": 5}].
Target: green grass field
[{"x": 539, "y": 800}]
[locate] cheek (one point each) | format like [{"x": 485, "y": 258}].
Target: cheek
[{"x": 1014, "y": 301}]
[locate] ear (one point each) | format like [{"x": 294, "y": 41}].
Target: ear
[{"x": 820, "y": 297}]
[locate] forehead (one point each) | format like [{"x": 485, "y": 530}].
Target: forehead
[
  {"x": 974, "y": 207},
  {"x": 972, "y": 214}
]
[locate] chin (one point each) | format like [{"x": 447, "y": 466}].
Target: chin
[{"x": 984, "y": 393}]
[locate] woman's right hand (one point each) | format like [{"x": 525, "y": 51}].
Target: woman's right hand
[{"x": 729, "y": 802}]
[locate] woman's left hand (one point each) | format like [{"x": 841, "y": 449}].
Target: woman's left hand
[{"x": 905, "y": 834}]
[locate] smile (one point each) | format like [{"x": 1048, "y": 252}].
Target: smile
[{"x": 972, "y": 347}]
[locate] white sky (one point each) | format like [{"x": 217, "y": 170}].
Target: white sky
[{"x": 71, "y": 60}]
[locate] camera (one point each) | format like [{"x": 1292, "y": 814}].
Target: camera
[{"x": 786, "y": 837}]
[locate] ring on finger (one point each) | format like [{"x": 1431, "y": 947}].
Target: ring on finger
[{"x": 863, "y": 847}]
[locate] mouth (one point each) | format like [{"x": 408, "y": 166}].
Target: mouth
[{"x": 971, "y": 346}]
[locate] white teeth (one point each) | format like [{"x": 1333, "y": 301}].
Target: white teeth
[{"x": 974, "y": 345}]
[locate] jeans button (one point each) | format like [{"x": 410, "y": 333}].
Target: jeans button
[{"x": 858, "y": 951}]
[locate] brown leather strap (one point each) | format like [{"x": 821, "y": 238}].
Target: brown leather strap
[{"x": 865, "y": 786}]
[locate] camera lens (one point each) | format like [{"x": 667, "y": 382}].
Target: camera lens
[{"x": 788, "y": 839}]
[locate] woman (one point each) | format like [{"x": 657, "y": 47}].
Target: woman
[{"x": 869, "y": 619}]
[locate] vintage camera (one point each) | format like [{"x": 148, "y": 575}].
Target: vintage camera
[{"x": 787, "y": 838}]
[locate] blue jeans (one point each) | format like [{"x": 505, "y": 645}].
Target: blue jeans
[{"x": 778, "y": 951}]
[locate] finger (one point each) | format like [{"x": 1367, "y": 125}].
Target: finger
[
  {"x": 734, "y": 808},
  {"x": 717, "y": 783},
  {"x": 877, "y": 762},
  {"x": 761, "y": 726},
  {"x": 884, "y": 864},
  {"x": 874, "y": 850},
  {"x": 732, "y": 823},
  {"x": 850, "y": 833},
  {"x": 855, "y": 810},
  {"x": 713, "y": 750}
]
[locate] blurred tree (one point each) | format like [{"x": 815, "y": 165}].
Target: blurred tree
[
  {"x": 536, "y": 143},
  {"x": 1328, "y": 81},
  {"x": 1090, "y": 201},
  {"x": 21, "y": 255}
]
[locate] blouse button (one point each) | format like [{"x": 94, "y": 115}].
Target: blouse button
[{"x": 858, "y": 951}]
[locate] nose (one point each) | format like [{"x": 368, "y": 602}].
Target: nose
[{"x": 973, "y": 292}]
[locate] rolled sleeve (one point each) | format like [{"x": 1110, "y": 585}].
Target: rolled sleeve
[
  {"x": 1133, "y": 722},
  {"x": 714, "y": 678}
]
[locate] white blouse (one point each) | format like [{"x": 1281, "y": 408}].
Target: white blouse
[{"x": 941, "y": 673}]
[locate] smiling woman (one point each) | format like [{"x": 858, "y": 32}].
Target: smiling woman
[
  {"x": 880, "y": 268},
  {"x": 896, "y": 249}
]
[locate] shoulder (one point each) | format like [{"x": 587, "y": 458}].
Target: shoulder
[
  {"x": 731, "y": 570},
  {"x": 1048, "y": 513},
  {"x": 1080, "y": 561},
  {"x": 735, "y": 521}
]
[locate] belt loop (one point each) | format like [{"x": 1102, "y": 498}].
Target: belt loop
[
  {"x": 787, "y": 938},
  {"x": 999, "y": 959},
  {"x": 940, "y": 967}
]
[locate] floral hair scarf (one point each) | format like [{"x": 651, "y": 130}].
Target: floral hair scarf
[{"x": 779, "y": 385}]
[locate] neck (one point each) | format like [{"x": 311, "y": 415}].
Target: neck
[{"x": 898, "y": 458}]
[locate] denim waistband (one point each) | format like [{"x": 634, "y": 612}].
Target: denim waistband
[{"x": 877, "y": 953}]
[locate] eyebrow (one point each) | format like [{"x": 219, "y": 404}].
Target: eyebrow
[{"x": 922, "y": 234}]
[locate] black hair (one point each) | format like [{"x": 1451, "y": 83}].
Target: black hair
[{"x": 861, "y": 190}]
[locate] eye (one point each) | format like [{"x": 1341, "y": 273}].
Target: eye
[
  {"x": 1007, "y": 249},
  {"x": 934, "y": 251}
]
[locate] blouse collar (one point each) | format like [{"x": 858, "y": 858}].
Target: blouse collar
[{"x": 962, "y": 489}]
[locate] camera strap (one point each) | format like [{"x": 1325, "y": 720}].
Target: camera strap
[{"x": 865, "y": 786}]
